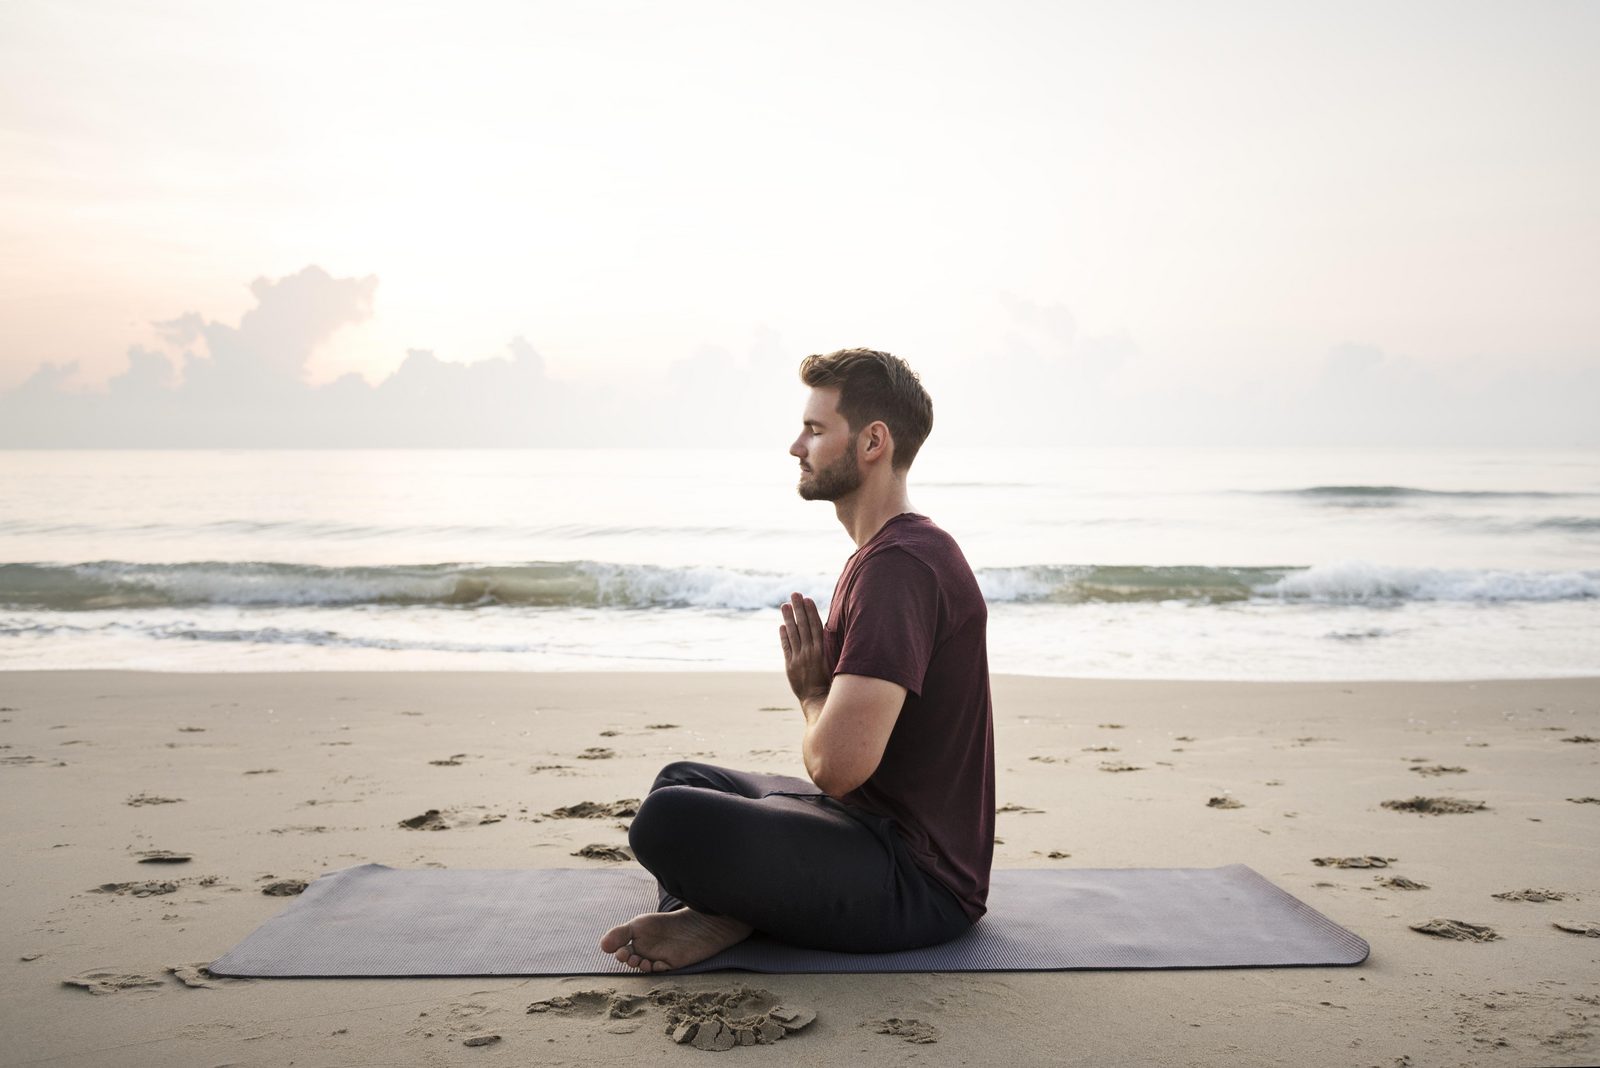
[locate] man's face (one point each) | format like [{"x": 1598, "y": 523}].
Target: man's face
[{"x": 826, "y": 450}]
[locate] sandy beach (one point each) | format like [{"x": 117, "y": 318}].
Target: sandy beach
[{"x": 269, "y": 778}]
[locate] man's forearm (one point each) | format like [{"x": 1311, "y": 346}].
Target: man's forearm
[{"x": 811, "y": 706}]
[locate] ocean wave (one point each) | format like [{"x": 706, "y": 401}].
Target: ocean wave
[
  {"x": 1360, "y": 582},
  {"x": 106, "y": 585},
  {"x": 1378, "y": 496},
  {"x": 1091, "y": 584},
  {"x": 1582, "y": 524},
  {"x": 117, "y": 584}
]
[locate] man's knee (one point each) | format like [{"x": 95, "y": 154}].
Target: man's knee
[
  {"x": 664, "y": 815},
  {"x": 677, "y": 773}
]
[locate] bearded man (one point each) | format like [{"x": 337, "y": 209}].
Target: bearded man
[{"x": 888, "y": 846}]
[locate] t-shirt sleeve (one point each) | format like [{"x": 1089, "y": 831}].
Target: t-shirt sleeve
[{"x": 890, "y": 620}]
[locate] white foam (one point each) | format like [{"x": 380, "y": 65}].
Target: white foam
[
  {"x": 643, "y": 586},
  {"x": 1358, "y": 581}
]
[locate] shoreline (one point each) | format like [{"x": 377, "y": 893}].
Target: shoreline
[
  {"x": 756, "y": 676},
  {"x": 285, "y": 775}
]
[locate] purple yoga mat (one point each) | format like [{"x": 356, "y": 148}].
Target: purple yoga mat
[{"x": 377, "y": 921}]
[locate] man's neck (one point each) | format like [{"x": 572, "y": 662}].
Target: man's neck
[{"x": 863, "y": 513}]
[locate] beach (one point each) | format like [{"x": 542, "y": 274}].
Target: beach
[{"x": 271, "y": 777}]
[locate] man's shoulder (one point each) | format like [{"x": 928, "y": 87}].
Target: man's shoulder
[
  {"x": 919, "y": 536},
  {"x": 922, "y": 540}
]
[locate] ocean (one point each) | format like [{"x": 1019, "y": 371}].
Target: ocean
[{"x": 1096, "y": 562}]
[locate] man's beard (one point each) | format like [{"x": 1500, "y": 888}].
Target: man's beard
[{"x": 838, "y": 479}]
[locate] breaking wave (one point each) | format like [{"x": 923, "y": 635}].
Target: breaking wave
[{"x": 120, "y": 585}]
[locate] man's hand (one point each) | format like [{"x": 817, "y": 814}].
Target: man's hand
[{"x": 801, "y": 635}]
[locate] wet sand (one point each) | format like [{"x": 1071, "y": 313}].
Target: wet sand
[{"x": 153, "y": 820}]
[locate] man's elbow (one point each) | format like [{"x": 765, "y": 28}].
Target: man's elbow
[{"x": 836, "y": 784}]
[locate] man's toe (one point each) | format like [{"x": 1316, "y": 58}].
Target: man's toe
[{"x": 616, "y": 938}]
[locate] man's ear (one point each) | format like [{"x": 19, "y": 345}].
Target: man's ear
[{"x": 876, "y": 441}]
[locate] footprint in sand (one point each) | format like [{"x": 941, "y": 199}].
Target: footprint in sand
[
  {"x": 1400, "y": 882},
  {"x": 1433, "y": 770},
  {"x": 150, "y": 799},
  {"x": 589, "y": 810},
  {"x": 112, "y": 982},
  {"x": 1581, "y": 739},
  {"x": 451, "y": 761},
  {"x": 140, "y": 889},
  {"x": 1459, "y": 930},
  {"x": 198, "y": 975},
  {"x": 1224, "y": 802},
  {"x": 163, "y": 856},
  {"x": 1353, "y": 862},
  {"x": 464, "y": 1020},
  {"x": 1013, "y": 807},
  {"x": 285, "y": 888},
  {"x": 1108, "y": 765},
  {"x": 713, "y": 1020},
  {"x": 445, "y": 819},
  {"x": 1592, "y": 930},
  {"x": 1531, "y": 895},
  {"x": 598, "y": 851},
  {"x": 596, "y": 752},
  {"x": 1436, "y": 806},
  {"x": 660, "y": 726},
  {"x": 915, "y": 1031}
]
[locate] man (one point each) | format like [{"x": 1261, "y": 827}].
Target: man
[{"x": 889, "y": 845}]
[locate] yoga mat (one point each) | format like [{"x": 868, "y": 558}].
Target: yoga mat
[{"x": 378, "y": 921}]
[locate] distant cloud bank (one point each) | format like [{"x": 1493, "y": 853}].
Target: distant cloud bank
[
  {"x": 1041, "y": 383},
  {"x": 248, "y": 389}
]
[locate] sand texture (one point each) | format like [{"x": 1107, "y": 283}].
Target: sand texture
[{"x": 153, "y": 820}]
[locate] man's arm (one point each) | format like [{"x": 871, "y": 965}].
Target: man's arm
[
  {"x": 848, "y": 730},
  {"x": 848, "y": 717}
]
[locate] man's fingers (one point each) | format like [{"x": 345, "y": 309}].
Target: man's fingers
[
  {"x": 783, "y": 636},
  {"x": 802, "y": 618},
  {"x": 794, "y": 618},
  {"x": 791, "y": 628},
  {"x": 816, "y": 617}
]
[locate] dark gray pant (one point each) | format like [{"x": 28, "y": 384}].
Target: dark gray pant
[{"x": 777, "y": 853}]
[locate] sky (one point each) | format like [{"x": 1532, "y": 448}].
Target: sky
[{"x": 610, "y": 223}]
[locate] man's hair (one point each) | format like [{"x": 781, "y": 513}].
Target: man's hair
[{"x": 874, "y": 385}]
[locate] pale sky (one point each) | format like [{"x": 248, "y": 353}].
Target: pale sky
[{"x": 1240, "y": 222}]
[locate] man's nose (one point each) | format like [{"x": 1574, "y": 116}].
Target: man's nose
[{"x": 796, "y": 450}]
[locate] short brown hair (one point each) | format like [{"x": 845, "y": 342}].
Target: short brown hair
[{"x": 874, "y": 385}]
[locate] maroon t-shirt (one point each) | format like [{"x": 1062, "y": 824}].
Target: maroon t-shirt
[{"x": 907, "y": 609}]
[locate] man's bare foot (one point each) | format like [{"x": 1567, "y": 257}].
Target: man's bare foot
[{"x": 656, "y": 941}]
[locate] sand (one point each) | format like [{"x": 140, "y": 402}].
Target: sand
[{"x": 263, "y": 781}]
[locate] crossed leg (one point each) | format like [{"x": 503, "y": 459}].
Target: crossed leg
[{"x": 736, "y": 852}]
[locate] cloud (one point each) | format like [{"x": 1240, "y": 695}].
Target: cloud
[
  {"x": 1041, "y": 379},
  {"x": 245, "y": 386}
]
